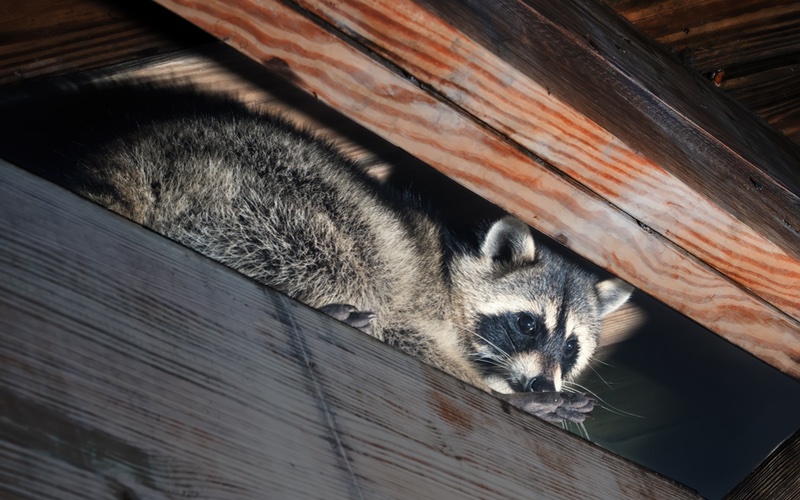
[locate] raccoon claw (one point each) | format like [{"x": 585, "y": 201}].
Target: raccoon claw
[
  {"x": 349, "y": 315},
  {"x": 554, "y": 407}
]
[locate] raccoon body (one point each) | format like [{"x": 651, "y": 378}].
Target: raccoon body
[{"x": 286, "y": 208}]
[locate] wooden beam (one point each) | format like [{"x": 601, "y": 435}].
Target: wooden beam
[
  {"x": 629, "y": 214},
  {"x": 751, "y": 45},
  {"x": 778, "y": 476},
  {"x": 133, "y": 367},
  {"x": 773, "y": 94},
  {"x": 570, "y": 142},
  {"x": 52, "y": 37},
  {"x": 719, "y": 34},
  {"x": 595, "y": 61}
]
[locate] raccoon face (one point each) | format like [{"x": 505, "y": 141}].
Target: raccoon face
[{"x": 535, "y": 318}]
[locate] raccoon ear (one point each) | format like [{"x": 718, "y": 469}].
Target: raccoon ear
[
  {"x": 509, "y": 239},
  {"x": 611, "y": 294}
]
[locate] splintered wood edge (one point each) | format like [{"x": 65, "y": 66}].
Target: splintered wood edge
[
  {"x": 133, "y": 366},
  {"x": 366, "y": 88}
]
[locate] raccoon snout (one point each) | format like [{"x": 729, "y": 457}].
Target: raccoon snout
[{"x": 535, "y": 384}]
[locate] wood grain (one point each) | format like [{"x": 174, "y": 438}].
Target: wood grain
[
  {"x": 772, "y": 93},
  {"x": 541, "y": 123},
  {"x": 719, "y": 33},
  {"x": 395, "y": 107},
  {"x": 219, "y": 68},
  {"x": 607, "y": 70},
  {"x": 503, "y": 97},
  {"x": 755, "y": 43},
  {"x": 133, "y": 367},
  {"x": 777, "y": 477},
  {"x": 52, "y": 37}
]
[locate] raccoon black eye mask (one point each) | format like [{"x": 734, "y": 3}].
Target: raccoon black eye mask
[{"x": 284, "y": 207}]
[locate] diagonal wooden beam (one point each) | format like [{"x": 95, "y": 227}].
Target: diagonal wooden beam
[
  {"x": 355, "y": 74},
  {"x": 132, "y": 367},
  {"x": 596, "y": 61},
  {"x": 510, "y": 100},
  {"x": 778, "y": 476}
]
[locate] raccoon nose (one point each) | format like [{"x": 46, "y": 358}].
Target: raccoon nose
[{"x": 540, "y": 384}]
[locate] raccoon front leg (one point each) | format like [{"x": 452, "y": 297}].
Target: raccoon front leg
[
  {"x": 349, "y": 315},
  {"x": 554, "y": 407}
]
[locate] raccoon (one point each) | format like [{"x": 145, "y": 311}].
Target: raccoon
[{"x": 286, "y": 208}]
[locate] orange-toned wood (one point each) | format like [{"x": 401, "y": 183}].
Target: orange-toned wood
[
  {"x": 504, "y": 98},
  {"x": 588, "y": 57},
  {"x": 389, "y": 102}
]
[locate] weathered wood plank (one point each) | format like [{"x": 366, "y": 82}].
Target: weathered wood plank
[
  {"x": 777, "y": 477},
  {"x": 719, "y": 33},
  {"x": 487, "y": 87},
  {"x": 628, "y": 84},
  {"x": 219, "y": 68},
  {"x": 755, "y": 43},
  {"x": 51, "y": 37},
  {"x": 131, "y": 365},
  {"x": 363, "y": 88},
  {"x": 773, "y": 93}
]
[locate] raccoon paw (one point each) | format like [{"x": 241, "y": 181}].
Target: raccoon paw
[
  {"x": 554, "y": 407},
  {"x": 349, "y": 315},
  {"x": 576, "y": 407}
]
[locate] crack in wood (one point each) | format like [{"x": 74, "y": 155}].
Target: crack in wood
[{"x": 302, "y": 352}]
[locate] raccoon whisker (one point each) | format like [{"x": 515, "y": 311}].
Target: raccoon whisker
[
  {"x": 600, "y": 361},
  {"x": 502, "y": 352},
  {"x": 500, "y": 363},
  {"x": 600, "y": 377},
  {"x": 580, "y": 429},
  {"x": 606, "y": 405},
  {"x": 487, "y": 358},
  {"x": 583, "y": 431},
  {"x": 510, "y": 340},
  {"x": 574, "y": 386}
]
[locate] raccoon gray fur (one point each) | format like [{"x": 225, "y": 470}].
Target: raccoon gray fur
[{"x": 286, "y": 208}]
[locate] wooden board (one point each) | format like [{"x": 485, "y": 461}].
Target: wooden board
[
  {"x": 773, "y": 93},
  {"x": 588, "y": 57},
  {"x": 573, "y": 144},
  {"x": 132, "y": 367},
  {"x": 375, "y": 93},
  {"x": 719, "y": 32},
  {"x": 777, "y": 477},
  {"x": 584, "y": 151},
  {"x": 751, "y": 46},
  {"x": 51, "y": 37}
]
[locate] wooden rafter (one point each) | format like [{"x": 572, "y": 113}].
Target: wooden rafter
[
  {"x": 482, "y": 97},
  {"x": 133, "y": 367}
]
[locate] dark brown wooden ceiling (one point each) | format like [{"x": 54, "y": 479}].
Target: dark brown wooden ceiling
[{"x": 750, "y": 48}]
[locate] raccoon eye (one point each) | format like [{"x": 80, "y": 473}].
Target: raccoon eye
[
  {"x": 571, "y": 347},
  {"x": 526, "y": 323}
]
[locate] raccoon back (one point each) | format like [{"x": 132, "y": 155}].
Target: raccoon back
[{"x": 248, "y": 189}]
